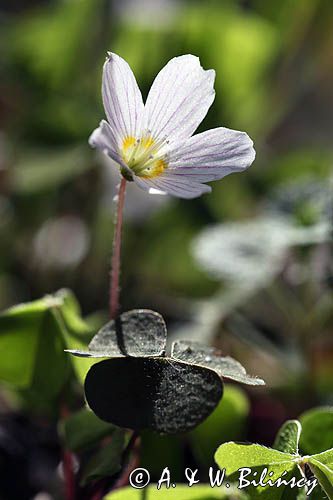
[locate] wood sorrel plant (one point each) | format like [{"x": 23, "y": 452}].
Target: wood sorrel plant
[{"x": 137, "y": 386}]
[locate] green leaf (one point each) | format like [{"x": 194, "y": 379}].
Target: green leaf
[
  {"x": 33, "y": 337},
  {"x": 317, "y": 430},
  {"x": 51, "y": 369},
  {"x": 32, "y": 348},
  {"x": 107, "y": 461},
  {"x": 228, "y": 421},
  {"x": 325, "y": 458},
  {"x": 321, "y": 465},
  {"x": 19, "y": 336},
  {"x": 76, "y": 332},
  {"x": 288, "y": 436},
  {"x": 233, "y": 457},
  {"x": 324, "y": 474},
  {"x": 180, "y": 492},
  {"x": 208, "y": 357},
  {"x": 83, "y": 430}
]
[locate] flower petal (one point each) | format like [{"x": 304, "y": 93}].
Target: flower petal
[
  {"x": 103, "y": 138},
  {"x": 121, "y": 97},
  {"x": 179, "y": 98},
  {"x": 211, "y": 155},
  {"x": 181, "y": 188}
]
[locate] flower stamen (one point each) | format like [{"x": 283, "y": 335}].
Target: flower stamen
[{"x": 143, "y": 155}]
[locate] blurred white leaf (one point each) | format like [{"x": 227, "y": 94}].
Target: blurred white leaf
[{"x": 252, "y": 252}]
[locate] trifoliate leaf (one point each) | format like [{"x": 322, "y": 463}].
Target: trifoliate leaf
[
  {"x": 208, "y": 357},
  {"x": 138, "y": 332},
  {"x": 287, "y": 439},
  {"x": 156, "y": 393},
  {"x": 139, "y": 388}
]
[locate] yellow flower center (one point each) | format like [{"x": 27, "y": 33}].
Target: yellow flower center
[{"x": 142, "y": 156}]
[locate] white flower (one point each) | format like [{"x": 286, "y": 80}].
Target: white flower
[{"x": 153, "y": 142}]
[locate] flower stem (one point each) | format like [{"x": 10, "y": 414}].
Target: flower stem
[{"x": 115, "y": 261}]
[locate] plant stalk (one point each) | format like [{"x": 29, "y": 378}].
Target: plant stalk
[
  {"x": 116, "y": 252},
  {"x": 68, "y": 463}
]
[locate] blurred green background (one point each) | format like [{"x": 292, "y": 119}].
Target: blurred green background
[{"x": 268, "y": 302}]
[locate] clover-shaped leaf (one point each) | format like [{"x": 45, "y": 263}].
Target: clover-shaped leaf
[
  {"x": 302, "y": 475},
  {"x": 139, "y": 387}
]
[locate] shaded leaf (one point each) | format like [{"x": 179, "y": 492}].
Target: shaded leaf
[
  {"x": 107, "y": 461},
  {"x": 208, "y": 357},
  {"x": 158, "y": 393},
  {"x": 317, "y": 430},
  {"x": 139, "y": 332},
  {"x": 298, "y": 493},
  {"x": 324, "y": 474},
  {"x": 83, "y": 430},
  {"x": 287, "y": 439},
  {"x": 322, "y": 467}
]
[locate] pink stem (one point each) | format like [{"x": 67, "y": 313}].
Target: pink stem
[
  {"x": 68, "y": 464},
  {"x": 115, "y": 261}
]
